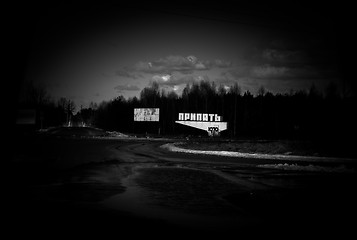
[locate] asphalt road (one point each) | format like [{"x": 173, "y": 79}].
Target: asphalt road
[{"x": 74, "y": 186}]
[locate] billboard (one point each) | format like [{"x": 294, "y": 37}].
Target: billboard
[
  {"x": 146, "y": 114},
  {"x": 212, "y": 123}
]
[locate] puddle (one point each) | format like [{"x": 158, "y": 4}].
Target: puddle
[{"x": 140, "y": 201}]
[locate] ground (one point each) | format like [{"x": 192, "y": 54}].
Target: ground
[{"x": 94, "y": 182}]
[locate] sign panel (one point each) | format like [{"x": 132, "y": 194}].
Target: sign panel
[
  {"x": 146, "y": 114},
  {"x": 205, "y": 121},
  {"x": 206, "y": 117},
  {"x": 206, "y": 126}
]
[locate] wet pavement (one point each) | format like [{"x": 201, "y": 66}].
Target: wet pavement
[{"x": 128, "y": 185}]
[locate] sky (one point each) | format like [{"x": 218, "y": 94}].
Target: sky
[{"x": 95, "y": 53}]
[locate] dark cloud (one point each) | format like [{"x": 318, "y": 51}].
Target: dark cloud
[
  {"x": 285, "y": 57},
  {"x": 185, "y": 65},
  {"x": 190, "y": 79},
  {"x": 222, "y": 63},
  {"x": 269, "y": 72},
  {"x": 280, "y": 73},
  {"x": 238, "y": 72},
  {"x": 124, "y": 73},
  {"x": 171, "y": 64},
  {"x": 127, "y": 87}
]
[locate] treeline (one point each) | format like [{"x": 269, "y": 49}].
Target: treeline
[
  {"x": 312, "y": 114},
  {"x": 298, "y": 115},
  {"x": 47, "y": 112}
]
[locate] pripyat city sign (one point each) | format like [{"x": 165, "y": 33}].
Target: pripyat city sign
[
  {"x": 199, "y": 117},
  {"x": 206, "y": 121}
]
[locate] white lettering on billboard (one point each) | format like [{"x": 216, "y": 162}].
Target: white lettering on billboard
[{"x": 206, "y": 117}]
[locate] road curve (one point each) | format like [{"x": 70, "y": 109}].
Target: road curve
[{"x": 135, "y": 182}]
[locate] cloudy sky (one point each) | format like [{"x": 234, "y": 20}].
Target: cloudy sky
[{"x": 98, "y": 52}]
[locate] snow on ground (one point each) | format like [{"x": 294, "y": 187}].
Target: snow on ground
[
  {"x": 309, "y": 168},
  {"x": 83, "y": 132},
  {"x": 174, "y": 147},
  {"x": 116, "y": 134}
]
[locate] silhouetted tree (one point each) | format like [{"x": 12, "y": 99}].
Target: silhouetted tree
[
  {"x": 235, "y": 91},
  {"x": 68, "y": 107},
  {"x": 332, "y": 91},
  {"x": 150, "y": 95},
  {"x": 261, "y": 91}
]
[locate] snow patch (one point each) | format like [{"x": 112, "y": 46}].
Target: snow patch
[
  {"x": 309, "y": 168},
  {"x": 173, "y": 147},
  {"x": 116, "y": 134}
]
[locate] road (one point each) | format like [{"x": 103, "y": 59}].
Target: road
[{"x": 86, "y": 186}]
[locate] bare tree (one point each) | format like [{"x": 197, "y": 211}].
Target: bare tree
[
  {"x": 68, "y": 106},
  {"x": 34, "y": 95}
]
